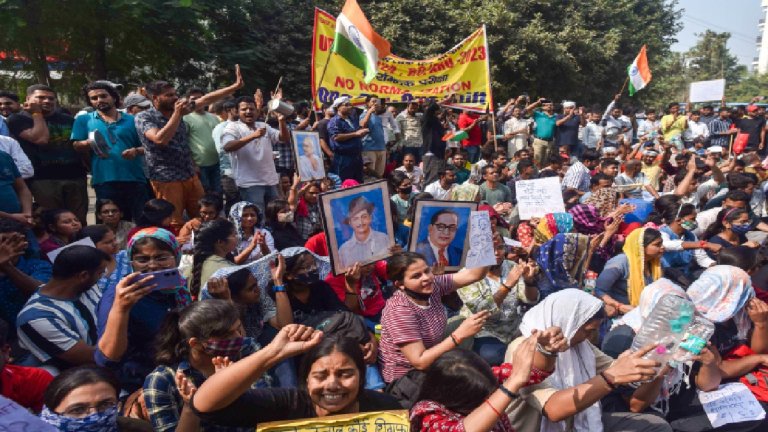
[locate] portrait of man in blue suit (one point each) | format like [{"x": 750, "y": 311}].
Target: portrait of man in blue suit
[{"x": 437, "y": 247}]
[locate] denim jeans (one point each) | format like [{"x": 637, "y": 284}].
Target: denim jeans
[
  {"x": 259, "y": 195},
  {"x": 490, "y": 349},
  {"x": 473, "y": 153},
  {"x": 129, "y": 196},
  {"x": 210, "y": 177},
  {"x": 348, "y": 167}
]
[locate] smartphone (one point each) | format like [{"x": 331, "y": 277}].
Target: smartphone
[{"x": 165, "y": 279}]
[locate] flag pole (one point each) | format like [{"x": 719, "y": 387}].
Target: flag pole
[
  {"x": 493, "y": 125},
  {"x": 623, "y": 86},
  {"x": 730, "y": 146}
]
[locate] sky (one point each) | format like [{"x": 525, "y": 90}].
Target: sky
[{"x": 738, "y": 17}]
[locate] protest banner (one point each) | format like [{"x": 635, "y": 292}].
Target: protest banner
[
  {"x": 463, "y": 70},
  {"x": 705, "y": 91},
  {"x": 535, "y": 198},
  {"x": 394, "y": 421},
  {"x": 731, "y": 403}
]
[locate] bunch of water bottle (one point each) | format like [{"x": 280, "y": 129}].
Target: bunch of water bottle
[{"x": 676, "y": 331}]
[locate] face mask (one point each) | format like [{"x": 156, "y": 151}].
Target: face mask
[
  {"x": 741, "y": 228},
  {"x": 307, "y": 278},
  {"x": 416, "y": 295},
  {"x": 689, "y": 225},
  {"x": 405, "y": 190},
  {"x": 224, "y": 347},
  {"x": 105, "y": 421},
  {"x": 285, "y": 217}
]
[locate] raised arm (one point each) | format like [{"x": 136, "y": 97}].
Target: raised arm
[
  {"x": 217, "y": 95},
  {"x": 163, "y": 136}
]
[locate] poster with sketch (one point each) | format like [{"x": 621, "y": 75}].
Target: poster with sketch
[
  {"x": 309, "y": 155},
  {"x": 481, "y": 250},
  {"x": 439, "y": 232},
  {"x": 535, "y": 198}
]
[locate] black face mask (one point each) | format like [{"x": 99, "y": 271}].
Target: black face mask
[
  {"x": 307, "y": 278},
  {"x": 405, "y": 190},
  {"x": 415, "y": 295}
]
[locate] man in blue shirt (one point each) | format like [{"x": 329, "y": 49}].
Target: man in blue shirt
[
  {"x": 374, "y": 144},
  {"x": 544, "y": 133},
  {"x": 346, "y": 141},
  {"x": 117, "y": 174}
]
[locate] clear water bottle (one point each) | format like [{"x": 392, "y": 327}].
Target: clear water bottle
[
  {"x": 590, "y": 281},
  {"x": 665, "y": 327},
  {"x": 694, "y": 340}
]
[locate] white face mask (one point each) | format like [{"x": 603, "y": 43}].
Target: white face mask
[{"x": 285, "y": 217}]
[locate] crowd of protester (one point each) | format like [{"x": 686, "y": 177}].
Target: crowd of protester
[{"x": 259, "y": 329}]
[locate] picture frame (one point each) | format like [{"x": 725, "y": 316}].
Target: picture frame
[
  {"x": 351, "y": 213},
  {"x": 425, "y": 237},
  {"x": 309, "y": 155}
]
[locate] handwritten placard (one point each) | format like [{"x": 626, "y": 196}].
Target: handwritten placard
[
  {"x": 480, "y": 241},
  {"x": 382, "y": 421},
  {"x": 512, "y": 243},
  {"x": 731, "y": 403},
  {"x": 14, "y": 417},
  {"x": 703, "y": 91},
  {"x": 535, "y": 198}
]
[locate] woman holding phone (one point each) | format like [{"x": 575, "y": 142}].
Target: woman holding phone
[{"x": 126, "y": 334}]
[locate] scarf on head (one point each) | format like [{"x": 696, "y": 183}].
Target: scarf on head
[
  {"x": 568, "y": 309},
  {"x": 552, "y": 224},
  {"x": 236, "y": 216},
  {"x": 562, "y": 259},
  {"x": 721, "y": 293},
  {"x": 587, "y": 219},
  {"x": 183, "y": 296},
  {"x": 525, "y": 234},
  {"x": 634, "y": 249},
  {"x": 604, "y": 199}
]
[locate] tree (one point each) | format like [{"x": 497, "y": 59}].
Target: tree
[{"x": 710, "y": 59}]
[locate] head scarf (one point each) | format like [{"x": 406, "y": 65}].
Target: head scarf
[
  {"x": 721, "y": 293},
  {"x": 553, "y": 223},
  {"x": 562, "y": 259},
  {"x": 604, "y": 199},
  {"x": 525, "y": 234},
  {"x": 634, "y": 249},
  {"x": 465, "y": 192},
  {"x": 236, "y": 216},
  {"x": 348, "y": 183},
  {"x": 568, "y": 309},
  {"x": 587, "y": 219},
  {"x": 156, "y": 233}
]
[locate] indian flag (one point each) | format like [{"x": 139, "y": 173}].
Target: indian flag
[
  {"x": 639, "y": 72},
  {"x": 356, "y": 41}
]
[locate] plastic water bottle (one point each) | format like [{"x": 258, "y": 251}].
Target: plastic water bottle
[
  {"x": 694, "y": 339},
  {"x": 590, "y": 281},
  {"x": 665, "y": 328}
]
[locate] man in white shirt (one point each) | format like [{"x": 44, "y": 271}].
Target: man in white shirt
[
  {"x": 516, "y": 131},
  {"x": 615, "y": 125},
  {"x": 414, "y": 173},
  {"x": 592, "y": 135},
  {"x": 250, "y": 144},
  {"x": 441, "y": 189},
  {"x": 12, "y": 147},
  {"x": 648, "y": 129},
  {"x": 697, "y": 131}
]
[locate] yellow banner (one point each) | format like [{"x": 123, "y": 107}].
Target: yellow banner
[
  {"x": 463, "y": 71},
  {"x": 383, "y": 421}
]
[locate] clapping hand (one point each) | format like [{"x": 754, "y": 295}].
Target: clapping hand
[{"x": 185, "y": 387}]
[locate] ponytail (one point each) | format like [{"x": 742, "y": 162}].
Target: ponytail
[
  {"x": 205, "y": 243},
  {"x": 169, "y": 345}
]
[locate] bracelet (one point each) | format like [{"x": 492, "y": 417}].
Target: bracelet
[
  {"x": 702, "y": 244},
  {"x": 454, "y": 339},
  {"x": 607, "y": 381},
  {"x": 498, "y": 414},
  {"x": 278, "y": 288},
  {"x": 508, "y": 392},
  {"x": 503, "y": 285},
  {"x": 546, "y": 353}
]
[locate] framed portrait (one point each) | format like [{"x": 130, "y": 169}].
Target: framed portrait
[
  {"x": 440, "y": 232},
  {"x": 309, "y": 155},
  {"x": 358, "y": 225}
]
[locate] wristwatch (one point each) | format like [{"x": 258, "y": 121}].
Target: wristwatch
[{"x": 278, "y": 288}]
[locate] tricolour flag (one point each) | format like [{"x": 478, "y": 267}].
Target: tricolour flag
[
  {"x": 639, "y": 72},
  {"x": 356, "y": 41}
]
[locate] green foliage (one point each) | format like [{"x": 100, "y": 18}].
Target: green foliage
[{"x": 751, "y": 85}]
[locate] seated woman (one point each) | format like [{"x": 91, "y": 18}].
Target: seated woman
[
  {"x": 569, "y": 398},
  {"x": 129, "y": 350},
  {"x": 360, "y": 290},
  {"x": 157, "y": 212},
  {"x": 194, "y": 342},
  {"x": 308, "y": 219},
  {"x": 20, "y": 276},
  {"x": 105, "y": 240},
  {"x": 85, "y": 399},
  {"x": 414, "y": 321},
  {"x": 684, "y": 255},
  {"x": 729, "y": 230},
  {"x": 563, "y": 261},
  {"x": 214, "y": 243},
  {"x": 111, "y": 216},
  {"x": 552, "y": 224},
  {"x": 501, "y": 292},
  {"x": 625, "y": 275},
  {"x": 253, "y": 242},
  {"x": 485, "y": 393},
  {"x": 279, "y": 222},
  {"x": 210, "y": 206},
  {"x": 62, "y": 226},
  {"x": 669, "y": 393},
  {"x": 331, "y": 381}
]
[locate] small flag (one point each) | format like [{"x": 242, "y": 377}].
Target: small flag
[
  {"x": 639, "y": 73},
  {"x": 456, "y": 136},
  {"x": 356, "y": 41}
]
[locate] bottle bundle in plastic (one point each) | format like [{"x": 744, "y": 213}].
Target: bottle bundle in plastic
[{"x": 694, "y": 340}]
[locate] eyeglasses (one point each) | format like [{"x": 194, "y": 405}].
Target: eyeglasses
[
  {"x": 83, "y": 410},
  {"x": 159, "y": 259},
  {"x": 443, "y": 228}
]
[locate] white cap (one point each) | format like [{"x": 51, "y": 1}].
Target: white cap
[
  {"x": 340, "y": 101},
  {"x": 715, "y": 149},
  {"x": 569, "y": 104},
  {"x": 609, "y": 150}
]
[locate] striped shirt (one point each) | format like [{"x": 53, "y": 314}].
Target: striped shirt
[
  {"x": 48, "y": 327},
  {"x": 577, "y": 177},
  {"x": 403, "y": 322}
]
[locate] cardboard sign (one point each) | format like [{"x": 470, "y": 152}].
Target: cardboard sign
[
  {"x": 731, "y": 403},
  {"x": 705, "y": 91},
  {"x": 535, "y": 198}
]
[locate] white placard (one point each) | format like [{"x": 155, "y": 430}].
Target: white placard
[
  {"x": 14, "y": 417},
  {"x": 512, "y": 242},
  {"x": 82, "y": 242},
  {"x": 704, "y": 91},
  {"x": 535, "y": 198},
  {"x": 481, "y": 252},
  {"x": 731, "y": 403}
]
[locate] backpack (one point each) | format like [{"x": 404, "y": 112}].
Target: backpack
[{"x": 340, "y": 324}]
